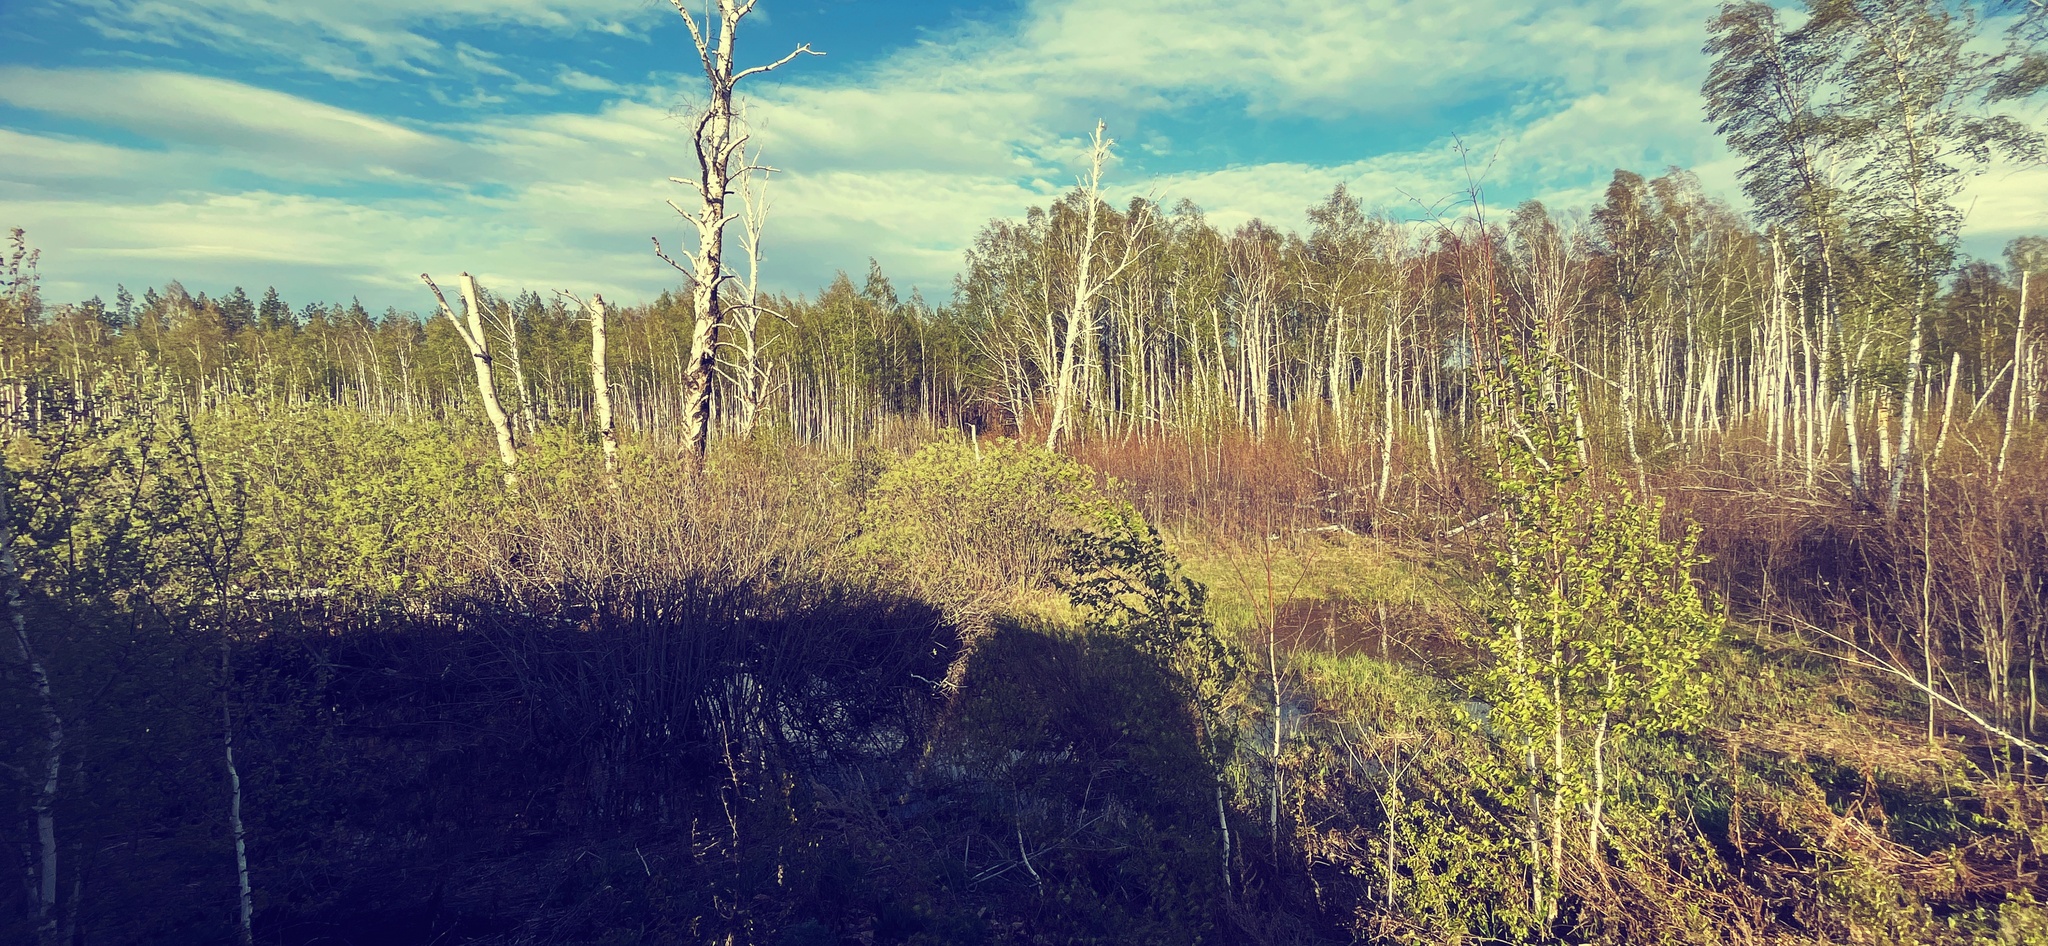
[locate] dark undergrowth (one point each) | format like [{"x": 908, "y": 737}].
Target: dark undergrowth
[{"x": 823, "y": 698}]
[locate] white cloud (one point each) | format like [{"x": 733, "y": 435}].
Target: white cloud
[
  {"x": 228, "y": 117},
  {"x": 355, "y": 39},
  {"x": 2005, "y": 202},
  {"x": 903, "y": 160},
  {"x": 584, "y": 82},
  {"x": 45, "y": 159},
  {"x": 1588, "y": 86}
]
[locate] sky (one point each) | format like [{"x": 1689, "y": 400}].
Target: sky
[{"x": 338, "y": 149}]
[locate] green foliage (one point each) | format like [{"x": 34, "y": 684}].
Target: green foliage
[
  {"x": 123, "y": 547},
  {"x": 338, "y": 500},
  {"x": 1596, "y": 628},
  {"x": 1401, "y": 807},
  {"x": 1594, "y": 616},
  {"x": 970, "y": 523},
  {"x": 1129, "y": 587},
  {"x": 113, "y": 506}
]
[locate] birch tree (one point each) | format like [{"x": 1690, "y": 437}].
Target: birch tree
[
  {"x": 1088, "y": 283},
  {"x": 1912, "y": 108},
  {"x": 721, "y": 149},
  {"x": 600, "y": 381},
  {"x": 43, "y": 780},
  {"x": 749, "y": 374},
  {"x": 1765, "y": 95},
  {"x": 473, "y": 338},
  {"x": 1596, "y": 626}
]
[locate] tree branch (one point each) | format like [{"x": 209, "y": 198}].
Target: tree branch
[
  {"x": 1873, "y": 662},
  {"x": 448, "y": 311},
  {"x": 690, "y": 271},
  {"x": 804, "y": 50}
]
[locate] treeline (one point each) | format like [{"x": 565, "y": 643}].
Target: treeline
[
  {"x": 849, "y": 357},
  {"x": 1680, "y": 322}
]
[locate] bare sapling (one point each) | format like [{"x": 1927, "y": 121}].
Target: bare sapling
[
  {"x": 42, "y": 866},
  {"x": 2012, "y": 399},
  {"x": 600, "y": 384},
  {"x": 750, "y": 374}
]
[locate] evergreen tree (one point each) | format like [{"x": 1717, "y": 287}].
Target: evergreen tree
[
  {"x": 96, "y": 310},
  {"x": 272, "y": 313},
  {"x": 236, "y": 311}
]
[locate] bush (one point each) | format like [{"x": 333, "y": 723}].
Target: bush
[
  {"x": 973, "y": 525},
  {"x": 337, "y": 500}
]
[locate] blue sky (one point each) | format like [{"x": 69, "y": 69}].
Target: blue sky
[{"x": 339, "y": 148}]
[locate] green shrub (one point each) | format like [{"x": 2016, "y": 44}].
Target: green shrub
[
  {"x": 338, "y": 500},
  {"x": 971, "y": 526}
]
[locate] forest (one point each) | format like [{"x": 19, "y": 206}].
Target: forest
[{"x": 1669, "y": 570}]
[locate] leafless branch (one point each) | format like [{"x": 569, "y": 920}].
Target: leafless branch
[{"x": 804, "y": 50}]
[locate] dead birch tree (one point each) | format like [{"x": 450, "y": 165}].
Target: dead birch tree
[
  {"x": 473, "y": 337},
  {"x": 1081, "y": 314},
  {"x": 2012, "y": 398},
  {"x": 42, "y": 869},
  {"x": 749, "y": 376},
  {"x": 601, "y": 386},
  {"x": 506, "y": 321},
  {"x": 718, "y": 141},
  {"x": 600, "y": 382}
]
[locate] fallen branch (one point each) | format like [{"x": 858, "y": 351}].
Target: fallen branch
[{"x": 1873, "y": 662}]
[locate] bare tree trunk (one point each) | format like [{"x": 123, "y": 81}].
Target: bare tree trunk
[
  {"x": 245, "y": 901},
  {"x": 1337, "y": 372},
  {"x": 44, "y": 804},
  {"x": 1387, "y": 415},
  {"x": 1948, "y": 408},
  {"x": 509, "y": 327},
  {"x": 480, "y": 355},
  {"x": 1273, "y": 675},
  {"x": 1082, "y": 312},
  {"x": 1392, "y": 806},
  {"x": 1909, "y": 411},
  {"x": 748, "y": 318},
  {"x": 601, "y": 389},
  {"x": 718, "y": 141},
  {"x": 2012, "y": 400},
  {"x": 1223, "y": 828},
  {"x": 1599, "y": 806},
  {"x": 1927, "y": 607}
]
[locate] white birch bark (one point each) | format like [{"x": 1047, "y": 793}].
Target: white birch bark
[
  {"x": 244, "y": 900},
  {"x": 1916, "y": 355},
  {"x": 2012, "y": 399},
  {"x": 44, "y": 803},
  {"x": 601, "y": 388},
  {"x": 747, "y": 315},
  {"x": 718, "y": 141},
  {"x": 472, "y": 334},
  {"x": 1081, "y": 313}
]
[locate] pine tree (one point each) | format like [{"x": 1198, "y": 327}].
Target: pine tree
[
  {"x": 272, "y": 313},
  {"x": 237, "y": 313}
]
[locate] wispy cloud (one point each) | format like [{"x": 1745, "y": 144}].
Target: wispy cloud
[
  {"x": 902, "y": 158},
  {"x": 229, "y": 118},
  {"x": 354, "y": 40}
]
